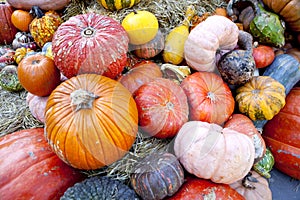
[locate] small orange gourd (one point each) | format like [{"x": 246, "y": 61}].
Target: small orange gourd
[{"x": 21, "y": 20}]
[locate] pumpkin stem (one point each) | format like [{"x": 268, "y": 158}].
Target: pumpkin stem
[
  {"x": 248, "y": 180},
  {"x": 36, "y": 12},
  {"x": 88, "y": 32},
  {"x": 82, "y": 99}
]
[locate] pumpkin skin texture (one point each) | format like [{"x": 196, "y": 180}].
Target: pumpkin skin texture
[
  {"x": 162, "y": 107},
  {"x": 205, "y": 39},
  {"x": 289, "y": 10},
  {"x": 211, "y": 152},
  {"x": 201, "y": 189},
  {"x": 44, "y": 5},
  {"x": 87, "y": 44},
  {"x": 38, "y": 74},
  {"x": 209, "y": 97},
  {"x": 282, "y": 136},
  {"x": 43, "y": 26},
  {"x": 141, "y": 73},
  {"x": 157, "y": 176},
  {"x": 37, "y": 106},
  {"x": 243, "y": 124},
  {"x": 261, "y": 98},
  {"x": 263, "y": 55},
  {"x": 118, "y": 4},
  {"x": 90, "y": 121},
  {"x": 8, "y": 30},
  {"x": 21, "y": 20},
  {"x": 30, "y": 170},
  {"x": 253, "y": 187}
]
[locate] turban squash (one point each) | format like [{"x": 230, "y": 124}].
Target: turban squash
[
  {"x": 90, "y": 43},
  {"x": 90, "y": 121},
  {"x": 30, "y": 169}
]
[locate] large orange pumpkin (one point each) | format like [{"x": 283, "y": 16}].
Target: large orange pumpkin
[
  {"x": 209, "y": 97},
  {"x": 91, "y": 121},
  {"x": 282, "y": 135},
  {"x": 30, "y": 170},
  {"x": 90, "y": 43}
]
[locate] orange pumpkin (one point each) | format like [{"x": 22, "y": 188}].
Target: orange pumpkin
[
  {"x": 21, "y": 20},
  {"x": 38, "y": 74},
  {"x": 209, "y": 97},
  {"x": 263, "y": 55},
  {"x": 30, "y": 170},
  {"x": 282, "y": 136},
  {"x": 91, "y": 121}
]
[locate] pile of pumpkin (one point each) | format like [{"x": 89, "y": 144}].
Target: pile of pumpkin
[{"x": 95, "y": 82}]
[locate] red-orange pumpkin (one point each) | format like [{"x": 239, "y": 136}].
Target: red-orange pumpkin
[
  {"x": 91, "y": 121},
  {"x": 141, "y": 73},
  {"x": 90, "y": 43},
  {"x": 201, "y": 189},
  {"x": 263, "y": 55},
  {"x": 209, "y": 97},
  {"x": 30, "y": 170},
  {"x": 8, "y": 30},
  {"x": 38, "y": 74},
  {"x": 282, "y": 135},
  {"x": 162, "y": 107},
  {"x": 244, "y": 124}
]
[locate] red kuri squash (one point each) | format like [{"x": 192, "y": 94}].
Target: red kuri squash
[
  {"x": 90, "y": 43},
  {"x": 30, "y": 170}
]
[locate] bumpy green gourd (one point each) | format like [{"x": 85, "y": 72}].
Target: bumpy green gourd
[
  {"x": 266, "y": 27},
  {"x": 9, "y": 79},
  {"x": 265, "y": 165}
]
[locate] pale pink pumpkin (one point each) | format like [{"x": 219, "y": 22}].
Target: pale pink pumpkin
[
  {"x": 90, "y": 43},
  {"x": 208, "y": 151},
  {"x": 37, "y": 106}
]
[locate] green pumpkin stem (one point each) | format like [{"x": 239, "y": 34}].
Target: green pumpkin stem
[{"x": 36, "y": 12}]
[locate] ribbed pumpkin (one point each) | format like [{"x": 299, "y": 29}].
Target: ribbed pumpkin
[
  {"x": 209, "y": 97},
  {"x": 140, "y": 74},
  {"x": 37, "y": 106},
  {"x": 44, "y": 25},
  {"x": 8, "y": 30},
  {"x": 162, "y": 107},
  {"x": 91, "y": 121},
  {"x": 243, "y": 124},
  {"x": 117, "y": 4},
  {"x": 90, "y": 43},
  {"x": 282, "y": 136},
  {"x": 253, "y": 187},
  {"x": 157, "y": 176},
  {"x": 215, "y": 33},
  {"x": 45, "y": 4},
  {"x": 289, "y": 10},
  {"x": 261, "y": 98},
  {"x": 211, "y": 152},
  {"x": 30, "y": 170}
]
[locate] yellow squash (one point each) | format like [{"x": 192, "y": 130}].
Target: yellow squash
[{"x": 174, "y": 43}]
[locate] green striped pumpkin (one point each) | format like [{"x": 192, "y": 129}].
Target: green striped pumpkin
[{"x": 118, "y": 4}]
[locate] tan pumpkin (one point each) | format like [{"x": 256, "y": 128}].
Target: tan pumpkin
[
  {"x": 211, "y": 152},
  {"x": 216, "y": 33},
  {"x": 289, "y": 10},
  {"x": 253, "y": 187}
]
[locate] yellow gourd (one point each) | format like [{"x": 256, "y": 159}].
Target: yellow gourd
[{"x": 174, "y": 43}]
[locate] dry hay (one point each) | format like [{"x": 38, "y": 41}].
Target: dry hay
[
  {"x": 169, "y": 13},
  {"x": 15, "y": 114}
]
